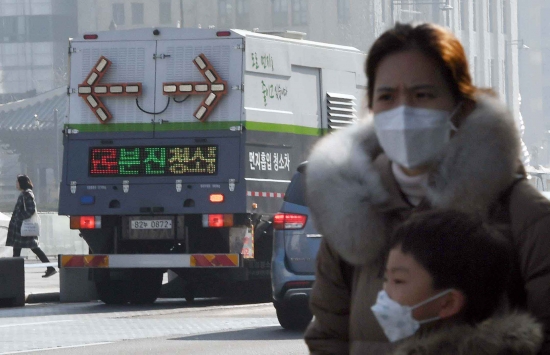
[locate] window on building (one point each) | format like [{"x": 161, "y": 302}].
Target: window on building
[
  {"x": 12, "y": 29},
  {"x": 383, "y": 7},
  {"x": 490, "y": 16},
  {"x": 343, "y": 11},
  {"x": 280, "y": 13},
  {"x": 463, "y": 14},
  {"x": 40, "y": 28},
  {"x": 474, "y": 15},
  {"x": 544, "y": 23},
  {"x": 224, "y": 13},
  {"x": 299, "y": 12},
  {"x": 493, "y": 79},
  {"x": 243, "y": 13},
  {"x": 505, "y": 16},
  {"x": 476, "y": 71},
  {"x": 505, "y": 81},
  {"x": 137, "y": 13},
  {"x": 165, "y": 11},
  {"x": 118, "y": 14}
]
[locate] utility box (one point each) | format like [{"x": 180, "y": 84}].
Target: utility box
[{"x": 12, "y": 282}]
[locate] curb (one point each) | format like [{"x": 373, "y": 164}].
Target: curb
[{"x": 42, "y": 297}]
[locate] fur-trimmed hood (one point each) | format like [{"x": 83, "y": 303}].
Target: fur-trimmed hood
[
  {"x": 516, "y": 333},
  {"x": 346, "y": 191}
]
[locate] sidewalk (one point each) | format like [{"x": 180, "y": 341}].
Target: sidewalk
[{"x": 37, "y": 288}]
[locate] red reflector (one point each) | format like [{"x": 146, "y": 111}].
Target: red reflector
[
  {"x": 75, "y": 222},
  {"x": 216, "y": 198},
  {"x": 289, "y": 221},
  {"x": 87, "y": 222},
  {"x": 223, "y": 33},
  {"x": 215, "y": 220},
  {"x": 90, "y": 36}
]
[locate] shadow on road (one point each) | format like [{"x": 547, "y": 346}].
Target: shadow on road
[
  {"x": 274, "y": 332},
  {"x": 97, "y": 307}
]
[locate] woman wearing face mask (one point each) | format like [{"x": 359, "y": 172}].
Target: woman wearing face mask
[{"x": 435, "y": 141}]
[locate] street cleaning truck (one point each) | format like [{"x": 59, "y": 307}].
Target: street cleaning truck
[{"x": 178, "y": 142}]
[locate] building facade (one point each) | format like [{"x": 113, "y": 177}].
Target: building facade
[
  {"x": 487, "y": 28},
  {"x": 534, "y": 69},
  {"x": 33, "y": 46}
]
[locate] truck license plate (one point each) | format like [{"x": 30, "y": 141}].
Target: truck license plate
[{"x": 151, "y": 224}]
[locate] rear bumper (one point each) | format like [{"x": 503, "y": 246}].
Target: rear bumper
[
  {"x": 280, "y": 276},
  {"x": 128, "y": 261}
]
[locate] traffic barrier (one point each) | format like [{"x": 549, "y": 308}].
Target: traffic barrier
[
  {"x": 75, "y": 286},
  {"x": 12, "y": 282}
]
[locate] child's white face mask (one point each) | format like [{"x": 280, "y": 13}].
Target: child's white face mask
[
  {"x": 396, "y": 320},
  {"x": 412, "y": 136}
]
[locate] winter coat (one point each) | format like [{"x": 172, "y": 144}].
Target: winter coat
[
  {"x": 20, "y": 212},
  {"x": 356, "y": 203},
  {"x": 513, "y": 334}
]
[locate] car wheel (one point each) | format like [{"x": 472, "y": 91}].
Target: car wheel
[{"x": 294, "y": 316}]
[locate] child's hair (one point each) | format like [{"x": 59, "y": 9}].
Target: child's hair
[
  {"x": 25, "y": 182},
  {"x": 459, "y": 251}
]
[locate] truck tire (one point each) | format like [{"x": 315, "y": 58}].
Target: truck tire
[
  {"x": 293, "y": 316},
  {"x": 263, "y": 241},
  {"x": 112, "y": 291},
  {"x": 146, "y": 285}
]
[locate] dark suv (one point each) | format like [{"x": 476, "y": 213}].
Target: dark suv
[{"x": 295, "y": 246}]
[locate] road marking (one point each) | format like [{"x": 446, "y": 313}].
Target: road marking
[
  {"x": 57, "y": 348},
  {"x": 36, "y": 323}
]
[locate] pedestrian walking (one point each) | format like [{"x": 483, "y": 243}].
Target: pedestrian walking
[
  {"x": 24, "y": 209},
  {"x": 434, "y": 141}
]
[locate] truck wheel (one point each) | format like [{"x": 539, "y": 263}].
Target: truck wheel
[
  {"x": 112, "y": 291},
  {"x": 189, "y": 294},
  {"x": 294, "y": 316},
  {"x": 146, "y": 285}
]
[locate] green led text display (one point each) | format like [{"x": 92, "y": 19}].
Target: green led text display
[{"x": 154, "y": 161}]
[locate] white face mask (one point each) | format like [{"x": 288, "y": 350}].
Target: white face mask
[
  {"x": 412, "y": 136},
  {"x": 396, "y": 320}
]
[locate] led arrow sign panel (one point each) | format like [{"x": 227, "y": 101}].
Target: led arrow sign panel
[
  {"x": 91, "y": 90},
  {"x": 213, "y": 89}
]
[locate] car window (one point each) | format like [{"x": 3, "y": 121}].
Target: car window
[{"x": 295, "y": 193}]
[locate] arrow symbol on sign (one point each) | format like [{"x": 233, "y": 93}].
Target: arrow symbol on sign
[
  {"x": 91, "y": 90},
  {"x": 214, "y": 88}
]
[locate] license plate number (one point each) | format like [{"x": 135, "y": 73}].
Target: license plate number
[{"x": 151, "y": 224}]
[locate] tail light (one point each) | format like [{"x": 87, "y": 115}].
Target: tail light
[
  {"x": 217, "y": 220},
  {"x": 289, "y": 221},
  {"x": 85, "y": 222}
]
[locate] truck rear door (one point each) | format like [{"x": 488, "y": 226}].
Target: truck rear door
[
  {"x": 127, "y": 62},
  {"x": 176, "y": 65}
]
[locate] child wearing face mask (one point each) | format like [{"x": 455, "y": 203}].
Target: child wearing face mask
[{"x": 446, "y": 276}]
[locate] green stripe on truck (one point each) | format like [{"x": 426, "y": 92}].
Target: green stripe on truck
[{"x": 194, "y": 126}]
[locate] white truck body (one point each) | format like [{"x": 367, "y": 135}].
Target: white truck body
[{"x": 142, "y": 159}]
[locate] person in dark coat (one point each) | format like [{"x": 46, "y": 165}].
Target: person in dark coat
[
  {"x": 434, "y": 141},
  {"x": 445, "y": 279},
  {"x": 25, "y": 208}
]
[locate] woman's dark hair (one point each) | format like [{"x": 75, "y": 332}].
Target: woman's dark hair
[
  {"x": 459, "y": 251},
  {"x": 433, "y": 41},
  {"x": 25, "y": 182}
]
